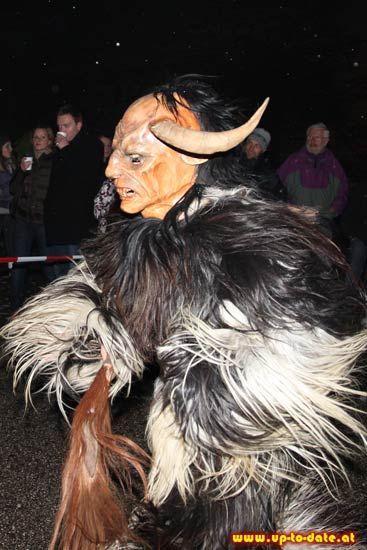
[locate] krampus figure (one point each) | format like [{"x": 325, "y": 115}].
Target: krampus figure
[{"x": 253, "y": 320}]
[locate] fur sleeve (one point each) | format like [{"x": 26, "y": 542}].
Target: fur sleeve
[{"x": 57, "y": 336}]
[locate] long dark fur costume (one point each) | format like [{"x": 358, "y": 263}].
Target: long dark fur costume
[
  {"x": 254, "y": 320},
  {"x": 248, "y": 310},
  {"x": 259, "y": 334}
]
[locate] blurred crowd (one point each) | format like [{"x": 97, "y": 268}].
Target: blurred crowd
[{"x": 53, "y": 192}]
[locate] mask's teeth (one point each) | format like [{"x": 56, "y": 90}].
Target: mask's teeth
[{"x": 127, "y": 192}]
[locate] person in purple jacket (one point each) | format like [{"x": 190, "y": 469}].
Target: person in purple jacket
[{"x": 314, "y": 177}]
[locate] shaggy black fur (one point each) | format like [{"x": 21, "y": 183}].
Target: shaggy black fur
[
  {"x": 275, "y": 265},
  {"x": 269, "y": 260}
]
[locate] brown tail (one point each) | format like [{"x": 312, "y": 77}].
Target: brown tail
[{"x": 90, "y": 513}]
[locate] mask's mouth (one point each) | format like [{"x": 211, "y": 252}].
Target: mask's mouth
[{"x": 126, "y": 192}]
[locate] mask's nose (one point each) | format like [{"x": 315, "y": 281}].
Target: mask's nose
[{"x": 112, "y": 169}]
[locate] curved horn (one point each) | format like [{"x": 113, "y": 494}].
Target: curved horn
[{"x": 205, "y": 143}]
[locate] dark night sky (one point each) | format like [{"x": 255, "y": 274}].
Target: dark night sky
[{"x": 309, "y": 57}]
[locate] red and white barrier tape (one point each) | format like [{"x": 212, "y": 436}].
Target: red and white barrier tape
[{"x": 26, "y": 259}]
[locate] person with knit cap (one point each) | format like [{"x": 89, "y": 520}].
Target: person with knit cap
[
  {"x": 257, "y": 164},
  {"x": 257, "y": 143}
]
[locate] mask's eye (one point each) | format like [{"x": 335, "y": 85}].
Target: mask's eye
[{"x": 135, "y": 159}]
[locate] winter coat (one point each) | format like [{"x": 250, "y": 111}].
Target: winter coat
[
  {"x": 76, "y": 176},
  {"x": 5, "y": 196},
  {"x": 318, "y": 181},
  {"x": 29, "y": 190}
]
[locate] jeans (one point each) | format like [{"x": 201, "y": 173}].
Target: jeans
[
  {"x": 61, "y": 268},
  {"x": 6, "y": 225},
  {"x": 28, "y": 238}
]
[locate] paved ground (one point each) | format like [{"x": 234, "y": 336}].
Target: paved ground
[{"x": 32, "y": 451}]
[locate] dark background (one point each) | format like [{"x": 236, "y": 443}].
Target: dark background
[{"x": 308, "y": 56}]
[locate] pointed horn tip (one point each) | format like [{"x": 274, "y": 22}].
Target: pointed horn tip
[{"x": 264, "y": 104}]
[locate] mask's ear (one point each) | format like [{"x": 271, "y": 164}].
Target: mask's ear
[{"x": 192, "y": 160}]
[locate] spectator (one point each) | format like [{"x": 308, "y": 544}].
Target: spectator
[
  {"x": 258, "y": 166},
  {"x": 7, "y": 167},
  {"x": 314, "y": 177},
  {"x": 353, "y": 226},
  {"x": 75, "y": 179},
  {"x": 107, "y": 147},
  {"x": 29, "y": 189},
  {"x": 356, "y": 254}
]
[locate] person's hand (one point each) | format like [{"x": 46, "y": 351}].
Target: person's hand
[
  {"x": 24, "y": 164},
  {"x": 61, "y": 141}
]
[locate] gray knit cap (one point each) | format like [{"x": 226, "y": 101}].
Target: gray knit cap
[{"x": 262, "y": 137}]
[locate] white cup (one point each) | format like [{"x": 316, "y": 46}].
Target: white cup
[
  {"x": 28, "y": 163},
  {"x": 59, "y": 135}
]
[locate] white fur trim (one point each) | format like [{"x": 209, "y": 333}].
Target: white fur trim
[
  {"x": 301, "y": 379},
  {"x": 171, "y": 455},
  {"x": 54, "y": 324}
]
